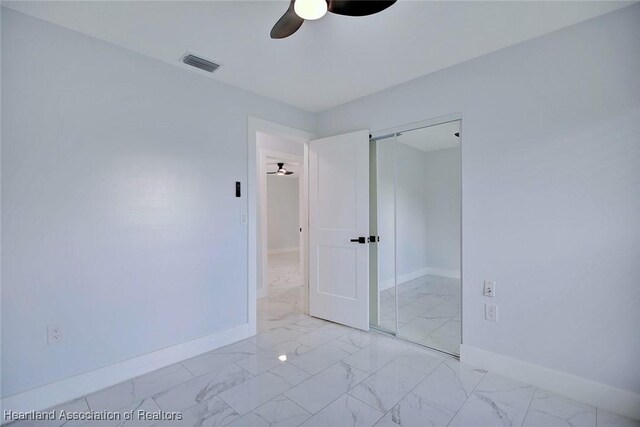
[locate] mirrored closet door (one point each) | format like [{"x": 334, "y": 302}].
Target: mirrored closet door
[{"x": 416, "y": 217}]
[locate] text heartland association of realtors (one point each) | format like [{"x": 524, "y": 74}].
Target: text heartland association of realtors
[{"x": 62, "y": 415}]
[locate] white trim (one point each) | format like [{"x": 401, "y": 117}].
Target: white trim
[
  {"x": 282, "y": 251},
  {"x": 613, "y": 399},
  {"x": 416, "y": 125},
  {"x": 451, "y": 274},
  {"x": 404, "y": 278},
  {"x": 62, "y": 391}
]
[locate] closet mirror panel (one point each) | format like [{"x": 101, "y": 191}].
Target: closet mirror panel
[
  {"x": 428, "y": 236},
  {"x": 418, "y": 218}
]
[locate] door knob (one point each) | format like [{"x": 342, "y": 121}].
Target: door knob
[{"x": 361, "y": 240}]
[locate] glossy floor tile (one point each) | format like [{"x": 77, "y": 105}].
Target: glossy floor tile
[
  {"x": 323, "y": 388},
  {"x": 300, "y": 370},
  {"x": 549, "y": 409},
  {"x": 387, "y": 386},
  {"x": 286, "y": 297},
  {"x": 495, "y": 401},
  {"x": 279, "y": 411},
  {"x": 428, "y": 312},
  {"x": 344, "y": 411}
]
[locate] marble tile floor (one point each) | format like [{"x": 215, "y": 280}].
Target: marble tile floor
[
  {"x": 429, "y": 312},
  {"x": 303, "y": 371},
  {"x": 285, "y": 295},
  {"x": 345, "y": 378}
]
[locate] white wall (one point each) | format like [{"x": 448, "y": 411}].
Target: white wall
[
  {"x": 411, "y": 211},
  {"x": 119, "y": 221},
  {"x": 283, "y": 213},
  {"x": 427, "y": 211},
  {"x": 442, "y": 198},
  {"x": 270, "y": 142},
  {"x": 550, "y": 179}
]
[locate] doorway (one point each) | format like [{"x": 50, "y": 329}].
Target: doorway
[
  {"x": 283, "y": 290},
  {"x": 269, "y": 144},
  {"x": 415, "y": 285}
]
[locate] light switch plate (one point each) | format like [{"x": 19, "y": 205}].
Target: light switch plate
[{"x": 489, "y": 288}]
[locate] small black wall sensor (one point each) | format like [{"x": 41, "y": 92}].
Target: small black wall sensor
[{"x": 237, "y": 188}]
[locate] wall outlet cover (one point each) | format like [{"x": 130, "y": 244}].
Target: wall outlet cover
[
  {"x": 491, "y": 312},
  {"x": 55, "y": 334}
]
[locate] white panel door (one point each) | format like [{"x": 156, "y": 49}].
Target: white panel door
[{"x": 338, "y": 214}]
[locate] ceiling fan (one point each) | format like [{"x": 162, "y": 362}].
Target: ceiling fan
[
  {"x": 301, "y": 10},
  {"x": 281, "y": 171}
]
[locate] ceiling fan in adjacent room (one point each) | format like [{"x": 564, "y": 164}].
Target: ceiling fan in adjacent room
[
  {"x": 301, "y": 10},
  {"x": 281, "y": 171}
]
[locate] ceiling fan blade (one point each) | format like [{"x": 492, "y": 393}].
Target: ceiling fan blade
[
  {"x": 358, "y": 7},
  {"x": 288, "y": 173},
  {"x": 288, "y": 24},
  {"x": 271, "y": 173}
]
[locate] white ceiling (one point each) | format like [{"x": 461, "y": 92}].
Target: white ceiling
[
  {"x": 432, "y": 138},
  {"x": 327, "y": 62}
]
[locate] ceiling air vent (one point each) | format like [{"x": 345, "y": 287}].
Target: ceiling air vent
[{"x": 200, "y": 63}]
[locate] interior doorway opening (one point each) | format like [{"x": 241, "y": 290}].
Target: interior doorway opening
[
  {"x": 277, "y": 198},
  {"x": 283, "y": 288}
]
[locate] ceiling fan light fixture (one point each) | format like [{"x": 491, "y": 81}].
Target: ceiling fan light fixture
[
  {"x": 310, "y": 9},
  {"x": 281, "y": 171}
]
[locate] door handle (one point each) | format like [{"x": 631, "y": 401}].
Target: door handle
[{"x": 360, "y": 240}]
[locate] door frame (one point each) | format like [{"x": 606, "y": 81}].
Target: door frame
[
  {"x": 255, "y": 125},
  {"x": 439, "y": 120}
]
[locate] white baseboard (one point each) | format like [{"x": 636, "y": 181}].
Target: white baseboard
[
  {"x": 62, "y": 391},
  {"x": 613, "y": 399},
  {"x": 403, "y": 278},
  {"x": 452, "y": 274},
  {"x": 282, "y": 250}
]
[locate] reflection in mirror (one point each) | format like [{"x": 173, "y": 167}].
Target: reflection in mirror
[
  {"x": 415, "y": 266},
  {"x": 428, "y": 236}
]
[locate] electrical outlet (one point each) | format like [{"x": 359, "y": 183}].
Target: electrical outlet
[
  {"x": 55, "y": 334},
  {"x": 491, "y": 312},
  {"x": 489, "y": 288}
]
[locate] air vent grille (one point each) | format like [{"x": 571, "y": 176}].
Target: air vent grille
[{"x": 200, "y": 63}]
